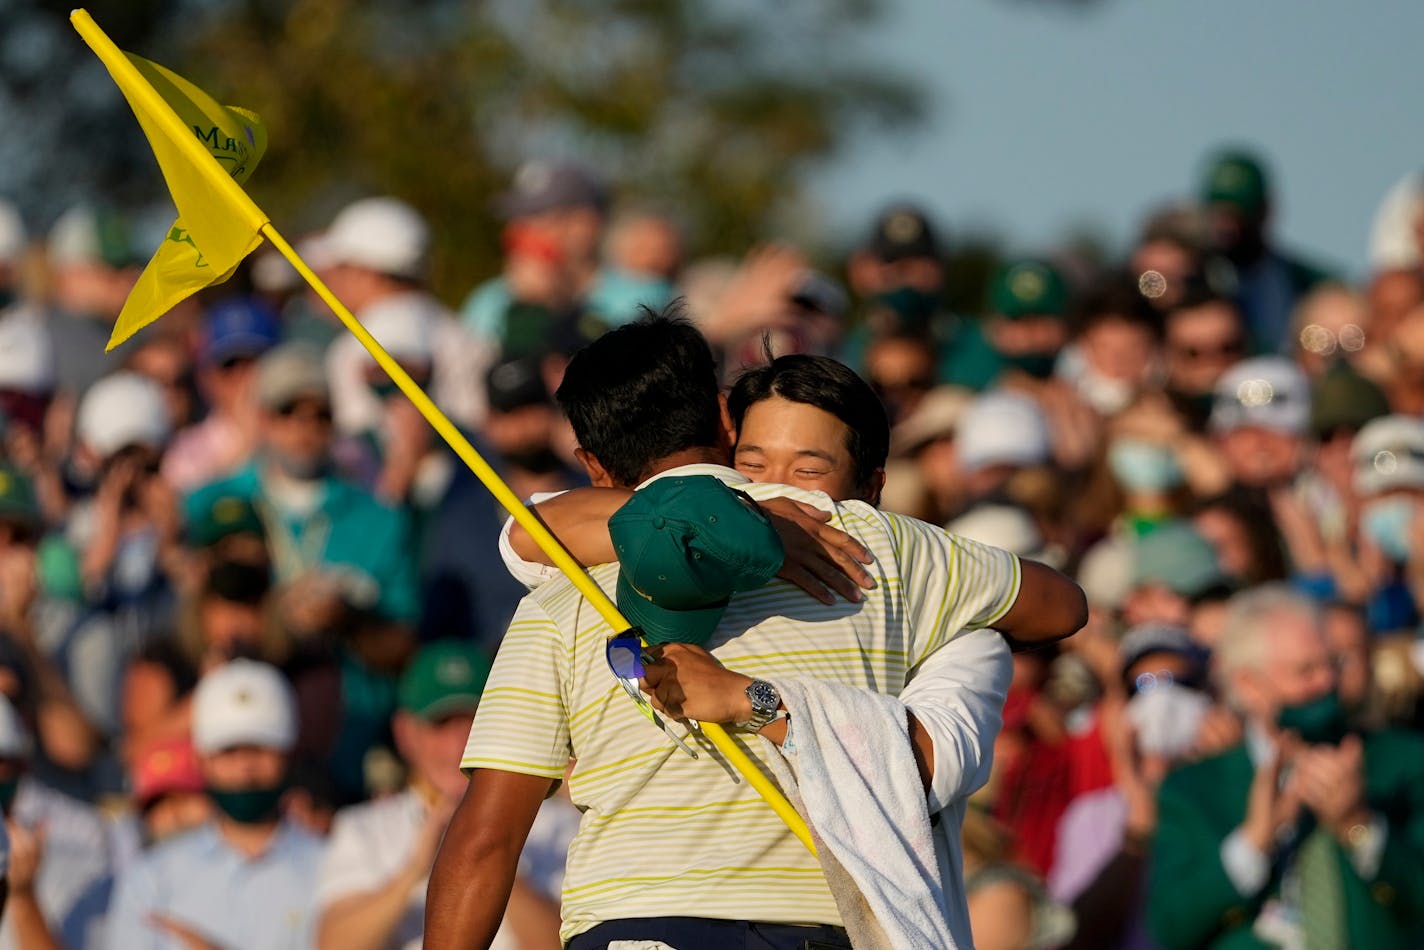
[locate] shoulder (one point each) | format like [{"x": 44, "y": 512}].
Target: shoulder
[
  {"x": 62, "y": 815},
  {"x": 374, "y": 817},
  {"x": 352, "y": 499},
  {"x": 1210, "y": 774},
  {"x": 1396, "y": 749}
]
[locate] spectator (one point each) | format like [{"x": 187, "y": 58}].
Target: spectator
[
  {"x": 1331, "y": 324},
  {"x": 1203, "y": 338},
  {"x": 1269, "y": 282},
  {"x": 1260, "y": 417},
  {"x": 924, "y": 477},
  {"x": 375, "y": 257},
  {"x": 247, "y": 878},
  {"x": 1389, "y": 480},
  {"x": 334, "y": 547},
  {"x": 372, "y": 885},
  {"x": 643, "y": 254},
  {"x": 899, "y": 272},
  {"x": 1168, "y": 258},
  {"x": 1303, "y": 832},
  {"x": 92, "y": 271},
  {"x": 1176, "y": 578},
  {"x": 556, "y": 214},
  {"x": 1115, "y": 354},
  {"x": 65, "y": 845},
  {"x": 235, "y": 333},
  {"x": 1000, "y": 434}
]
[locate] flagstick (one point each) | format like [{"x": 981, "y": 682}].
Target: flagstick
[
  {"x": 541, "y": 535},
  {"x": 131, "y": 81}
]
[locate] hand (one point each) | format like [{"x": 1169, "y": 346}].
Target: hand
[
  {"x": 181, "y": 932},
  {"x": 1331, "y": 783},
  {"x": 820, "y": 559},
  {"x": 758, "y": 296},
  {"x": 427, "y": 843},
  {"x": 26, "y": 855},
  {"x": 1220, "y": 730},
  {"x": 1137, "y": 776},
  {"x": 311, "y": 603},
  {"x": 1269, "y": 807},
  {"x": 687, "y": 682}
]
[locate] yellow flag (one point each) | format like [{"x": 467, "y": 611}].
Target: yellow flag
[{"x": 213, "y": 233}]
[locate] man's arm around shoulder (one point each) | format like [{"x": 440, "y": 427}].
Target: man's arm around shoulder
[{"x": 475, "y": 868}]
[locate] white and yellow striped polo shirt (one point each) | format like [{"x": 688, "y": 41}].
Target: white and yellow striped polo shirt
[{"x": 666, "y": 835}]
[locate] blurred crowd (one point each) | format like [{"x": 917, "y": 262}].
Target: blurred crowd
[{"x": 245, "y": 587}]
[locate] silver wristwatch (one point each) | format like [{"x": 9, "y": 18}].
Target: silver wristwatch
[{"x": 765, "y": 701}]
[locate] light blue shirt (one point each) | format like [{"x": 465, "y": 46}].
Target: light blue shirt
[{"x": 234, "y": 901}]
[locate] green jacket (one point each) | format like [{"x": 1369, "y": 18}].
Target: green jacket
[{"x": 1193, "y": 904}]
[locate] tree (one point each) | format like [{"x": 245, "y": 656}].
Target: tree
[{"x": 713, "y": 109}]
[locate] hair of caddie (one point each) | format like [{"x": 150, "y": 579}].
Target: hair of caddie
[
  {"x": 643, "y": 392},
  {"x": 827, "y": 385}
]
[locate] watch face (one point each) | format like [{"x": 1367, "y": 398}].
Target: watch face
[{"x": 764, "y": 697}]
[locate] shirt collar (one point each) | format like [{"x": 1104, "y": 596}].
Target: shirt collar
[{"x": 727, "y": 476}]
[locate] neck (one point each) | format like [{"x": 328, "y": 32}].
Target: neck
[
  {"x": 703, "y": 455},
  {"x": 249, "y": 840}
]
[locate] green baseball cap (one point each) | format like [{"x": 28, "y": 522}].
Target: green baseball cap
[
  {"x": 18, "y": 504},
  {"x": 444, "y": 677},
  {"x": 1236, "y": 178},
  {"x": 1176, "y": 555},
  {"x": 1343, "y": 399},
  {"x": 686, "y": 544},
  {"x": 223, "y": 517},
  {"x": 1028, "y": 288}
]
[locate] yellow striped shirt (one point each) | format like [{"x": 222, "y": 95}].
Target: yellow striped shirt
[{"x": 666, "y": 835}]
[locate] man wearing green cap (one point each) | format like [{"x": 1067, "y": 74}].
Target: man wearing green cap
[
  {"x": 1237, "y": 194},
  {"x": 669, "y": 848},
  {"x": 1028, "y": 316},
  {"x": 371, "y": 891}
]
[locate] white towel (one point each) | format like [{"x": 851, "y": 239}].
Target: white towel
[{"x": 853, "y": 771}]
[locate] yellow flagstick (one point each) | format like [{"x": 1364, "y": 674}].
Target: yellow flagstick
[{"x": 132, "y": 82}]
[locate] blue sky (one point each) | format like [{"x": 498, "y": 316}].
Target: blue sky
[{"x": 1044, "y": 119}]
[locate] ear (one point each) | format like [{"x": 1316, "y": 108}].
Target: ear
[
  {"x": 729, "y": 431},
  {"x": 871, "y": 495},
  {"x": 403, "y": 729},
  {"x": 597, "y": 474}
]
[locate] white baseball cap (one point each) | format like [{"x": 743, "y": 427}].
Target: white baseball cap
[
  {"x": 1389, "y": 453},
  {"x": 121, "y": 410},
  {"x": 243, "y": 702},
  {"x": 15, "y": 741},
  {"x": 405, "y": 325},
  {"x": 380, "y": 234},
  {"x": 12, "y": 233},
  {"x": 1394, "y": 243},
  {"x": 1269, "y": 392},
  {"x": 26, "y": 354},
  {"x": 1002, "y": 428}
]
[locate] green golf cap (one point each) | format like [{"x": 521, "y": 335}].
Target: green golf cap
[
  {"x": 444, "y": 677},
  {"x": 686, "y": 544},
  {"x": 223, "y": 517},
  {"x": 1343, "y": 399},
  {"x": 1176, "y": 555},
  {"x": 1236, "y": 178},
  {"x": 18, "y": 504},
  {"x": 1028, "y": 288}
]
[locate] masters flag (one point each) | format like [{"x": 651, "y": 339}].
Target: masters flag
[{"x": 211, "y": 236}]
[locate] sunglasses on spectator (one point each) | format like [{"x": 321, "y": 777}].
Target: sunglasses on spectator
[
  {"x": 1218, "y": 351},
  {"x": 306, "y": 412},
  {"x": 626, "y": 657},
  {"x": 1148, "y": 681}
]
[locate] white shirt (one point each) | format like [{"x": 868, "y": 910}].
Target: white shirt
[{"x": 371, "y": 842}]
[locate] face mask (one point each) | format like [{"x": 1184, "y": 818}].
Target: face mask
[
  {"x": 1143, "y": 466},
  {"x": 8, "y": 788},
  {"x": 1107, "y": 396},
  {"x": 1318, "y": 722},
  {"x": 1195, "y": 406},
  {"x": 1387, "y": 523},
  {"x": 301, "y": 469},
  {"x": 1167, "y": 718},
  {"x": 1037, "y": 365},
  {"x": 913, "y": 306},
  {"x": 249, "y": 806}
]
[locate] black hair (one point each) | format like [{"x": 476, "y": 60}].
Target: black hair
[
  {"x": 831, "y": 387},
  {"x": 1116, "y": 298},
  {"x": 643, "y": 392}
]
